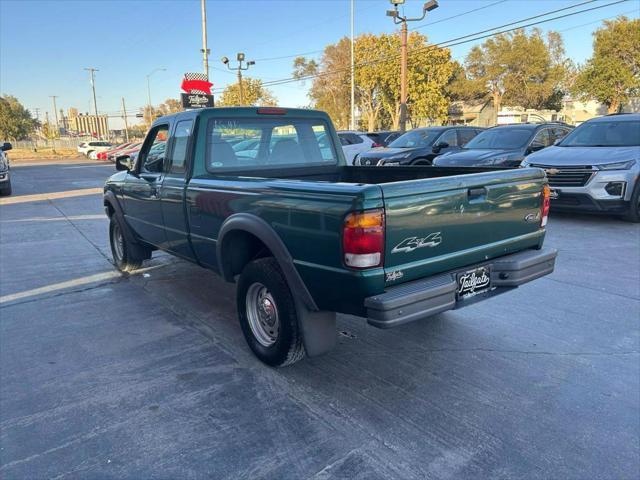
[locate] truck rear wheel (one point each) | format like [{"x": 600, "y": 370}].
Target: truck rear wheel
[
  {"x": 127, "y": 256},
  {"x": 267, "y": 314}
]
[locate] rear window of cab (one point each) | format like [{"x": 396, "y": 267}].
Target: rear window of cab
[{"x": 245, "y": 143}]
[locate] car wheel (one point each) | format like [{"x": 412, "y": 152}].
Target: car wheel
[
  {"x": 634, "y": 205},
  {"x": 88, "y": 154},
  {"x": 267, "y": 314},
  {"x": 127, "y": 256}
]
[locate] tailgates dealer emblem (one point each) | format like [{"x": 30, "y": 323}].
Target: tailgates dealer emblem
[{"x": 413, "y": 243}]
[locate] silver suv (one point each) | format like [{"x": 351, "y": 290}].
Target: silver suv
[{"x": 596, "y": 167}]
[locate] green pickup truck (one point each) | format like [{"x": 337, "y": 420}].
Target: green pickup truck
[{"x": 263, "y": 196}]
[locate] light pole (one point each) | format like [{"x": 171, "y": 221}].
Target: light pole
[
  {"x": 399, "y": 19},
  {"x": 205, "y": 51},
  {"x": 239, "y": 69},
  {"x": 159, "y": 69},
  {"x": 93, "y": 71}
]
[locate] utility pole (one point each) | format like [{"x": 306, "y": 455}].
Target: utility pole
[
  {"x": 399, "y": 19},
  {"x": 55, "y": 112},
  {"x": 124, "y": 117},
  {"x": 159, "y": 69},
  {"x": 205, "y": 51},
  {"x": 353, "y": 73},
  {"x": 239, "y": 69},
  {"x": 92, "y": 72}
]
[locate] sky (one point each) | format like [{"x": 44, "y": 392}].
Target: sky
[{"x": 45, "y": 45}]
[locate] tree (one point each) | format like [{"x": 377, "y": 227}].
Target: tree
[
  {"x": 331, "y": 88},
  {"x": 377, "y": 79},
  {"x": 519, "y": 68},
  {"x": 16, "y": 122},
  {"x": 169, "y": 106},
  {"x": 461, "y": 88},
  {"x": 612, "y": 74},
  {"x": 253, "y": 92}
]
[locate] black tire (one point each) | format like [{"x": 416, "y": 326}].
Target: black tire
[
  {"x": 287, "y": 347},
  {"x": 633, "y": 215},
  {"x": 6, "y": 189},
  {"x": 127, "y": 256}
]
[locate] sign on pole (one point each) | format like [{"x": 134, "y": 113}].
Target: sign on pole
[{"x": 197, "y": 91}]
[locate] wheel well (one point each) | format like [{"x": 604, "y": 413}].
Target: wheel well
[
  {"x": 110, "y": 209},
  {"x": 238, "y": 249},
  {"x": 421, "y": 161}
]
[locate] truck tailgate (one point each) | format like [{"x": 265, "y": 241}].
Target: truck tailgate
[{"x": 442, "y": 224}]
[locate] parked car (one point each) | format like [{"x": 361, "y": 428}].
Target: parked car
[
  {"x": 5, "y": 174},
  {"x": 384, "y": 138},
  {"x": 505, "y": 145},
  {"x": 105, "y": 155},
  {"x": 596, "y": 168},
  {"x": 133, "y": 148},
  {"x": 306, "y": 236},
  {"x": 90, "y": 149},
  {"x": 419, "y": 146},
  {"x": 354, "y": 143}
]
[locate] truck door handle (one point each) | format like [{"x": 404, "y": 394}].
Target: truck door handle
[{"x": 477, "y": 192}]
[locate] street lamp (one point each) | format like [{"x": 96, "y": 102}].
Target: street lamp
[
  {"x": 159, "y": 69},
  {"x": 399, "y": 19},
  {"x": 240, "y": 57}
]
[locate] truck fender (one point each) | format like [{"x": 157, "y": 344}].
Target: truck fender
[
  {"x": 263, "y": 231},
  {"x": 111, "y": 200}
]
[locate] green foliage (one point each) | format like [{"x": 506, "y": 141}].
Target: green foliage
[
  {"x": 612, "y": 74},
  {"x": 253, "y": 92},
  {"x": 461, "y": 88},
  {"x": 331, "y": 89},
  {"x": 520, "y": 69},
  {"x": 16, "y": 122},
  {"x": 377, "y": 79}
]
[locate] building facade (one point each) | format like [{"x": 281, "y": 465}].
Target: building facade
[{"x": 86, "y": 124}]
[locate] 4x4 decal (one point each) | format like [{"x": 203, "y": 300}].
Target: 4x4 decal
[{"x": 413, "y": 243}]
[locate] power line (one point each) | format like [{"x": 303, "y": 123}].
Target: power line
[
  {"x": 312, "y": 52},
  {"x": 460, "y": 40},
  {"x": 457, "y": 15}
]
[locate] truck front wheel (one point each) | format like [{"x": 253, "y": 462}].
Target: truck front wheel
[
  {"x": 634, "y": 206},
  {"x": 267, "y": 314},
  {"x": 127, "y": 256}
]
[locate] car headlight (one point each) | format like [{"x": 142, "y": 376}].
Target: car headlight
[
  {"x": 524, "y": 164},
  {"x": 617, "y": 165}
]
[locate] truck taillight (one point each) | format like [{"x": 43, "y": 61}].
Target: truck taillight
[
  {"x": 546, "y": 204},
  {"x": 363, "y": 239}
]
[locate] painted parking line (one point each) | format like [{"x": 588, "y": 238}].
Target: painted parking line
[
  {"x": 56, "y": 287},
  {"x": 49, "y": 196}
]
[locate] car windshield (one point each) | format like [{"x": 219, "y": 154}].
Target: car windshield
[
  {"x": 501, "y": 138},
  {"x": 604, "y": 134},
  {"x": 415, "y": 138}
]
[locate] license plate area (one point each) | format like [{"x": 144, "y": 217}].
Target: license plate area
[{"x": 473, "y": 282}]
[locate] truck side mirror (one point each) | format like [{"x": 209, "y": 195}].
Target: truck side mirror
[
  {"x": 124, "y": 162},
  {"x": 6, "y": 146}
]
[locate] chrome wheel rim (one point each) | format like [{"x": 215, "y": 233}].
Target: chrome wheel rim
[
  {"x": 262, "y": 314},
  {"x": 118, "y": 242}
]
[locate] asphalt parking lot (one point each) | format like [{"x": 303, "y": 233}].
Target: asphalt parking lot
[{"x": 148, "y": 376}]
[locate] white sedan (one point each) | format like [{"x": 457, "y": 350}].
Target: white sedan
[{"x": 354, "y": 143}]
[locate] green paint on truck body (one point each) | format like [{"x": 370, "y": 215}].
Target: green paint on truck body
[{"x": 306, "y": 207}]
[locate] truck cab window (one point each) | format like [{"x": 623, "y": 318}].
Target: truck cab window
[
  {"x": 153, "y": 153},
  {"x": 180, "y": 144}
]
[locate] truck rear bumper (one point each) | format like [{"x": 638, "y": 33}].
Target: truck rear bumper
[{"x": 427, "y": 297}]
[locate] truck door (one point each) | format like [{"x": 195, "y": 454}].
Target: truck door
[
  {"x": 143, "y": 210},
  {"x": 172, "y": 192}
]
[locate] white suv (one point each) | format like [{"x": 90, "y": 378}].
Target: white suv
[
  {"x": 91, "y": 149},
  {"x": 354, "y": 143}
]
